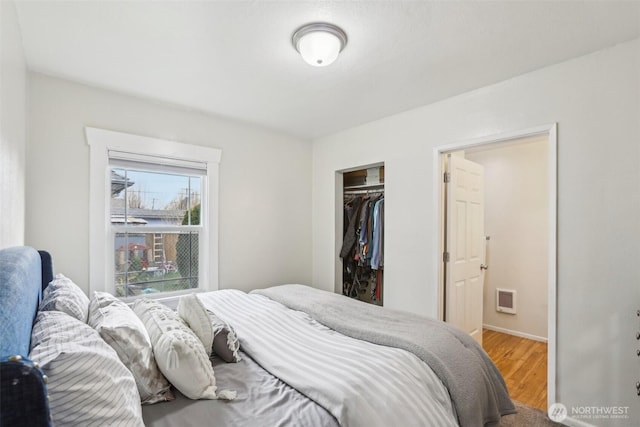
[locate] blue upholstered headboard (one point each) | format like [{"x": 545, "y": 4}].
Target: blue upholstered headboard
[{"x": 24, "y": 273}]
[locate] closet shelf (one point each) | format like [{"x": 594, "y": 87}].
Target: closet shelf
[{"x": 364, "y": 186}]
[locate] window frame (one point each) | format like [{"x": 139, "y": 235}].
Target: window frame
[{"x": 101, "y": 231}]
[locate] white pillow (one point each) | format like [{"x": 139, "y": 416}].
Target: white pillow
[
  {"x": 191, "y": 310},
  {"x": 64, "y": 295},
  {"x": 179, "y": 353},
  {"x": 88, "y": 384},
  {"x": 119, "y": 327},
  {"x": 216, "y": 335}
]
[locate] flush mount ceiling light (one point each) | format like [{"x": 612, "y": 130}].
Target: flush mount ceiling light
[{"x": 319, "y": 43}]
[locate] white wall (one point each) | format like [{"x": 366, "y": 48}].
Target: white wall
[
  {"x": 516, "y": 217},
  {"x": 596, "y": 101},
  {"x": 265, "y": 190},
  {"x": 13, "y": 129}
]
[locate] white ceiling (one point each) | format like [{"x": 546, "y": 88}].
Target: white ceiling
[{"x": 235, "y": 58}]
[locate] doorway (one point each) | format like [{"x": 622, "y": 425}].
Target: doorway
[{"x": 477, "y": 150}]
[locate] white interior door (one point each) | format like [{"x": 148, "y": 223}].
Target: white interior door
[{"x": 464, "y": 279}]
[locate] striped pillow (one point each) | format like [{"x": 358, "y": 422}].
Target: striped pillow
[
  {"x": 119, "y": 327},
  {"x": 88, "y": 385},
  {"x": 64, "y": 295}
]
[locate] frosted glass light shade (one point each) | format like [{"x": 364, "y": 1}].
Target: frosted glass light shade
[
  {"x": 319, "y": 44},
  {"x": 319, "y": 48}
]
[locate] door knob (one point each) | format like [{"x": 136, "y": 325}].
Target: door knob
[{"x": 484, "y": 267}]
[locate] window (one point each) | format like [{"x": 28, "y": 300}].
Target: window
[
  {"x": 155, "y": 223},
  {"x": 153, "y": 215}
]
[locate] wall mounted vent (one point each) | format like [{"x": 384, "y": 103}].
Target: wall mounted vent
[{"x": 506, "y": 301}]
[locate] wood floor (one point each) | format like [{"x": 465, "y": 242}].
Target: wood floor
[{"x": 523, "y": 364}]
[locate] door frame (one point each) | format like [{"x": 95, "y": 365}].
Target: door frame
[{"x": 551, "y": 130}]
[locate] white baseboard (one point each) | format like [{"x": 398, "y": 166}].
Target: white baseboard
[{"x": 516, "y": 333}]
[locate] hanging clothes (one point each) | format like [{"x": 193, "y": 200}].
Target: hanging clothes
[
  {"x": 363, "y": 246},
  {"x": 376, "y": 241},
  {"x": 370, "y": 232},
  {"x": 363, "y": 233},
  {"x": 352, "y": 211},
  {"x": 367, "y": 227}
]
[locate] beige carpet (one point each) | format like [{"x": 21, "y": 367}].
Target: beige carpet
[{"x": 527, "y": 416}]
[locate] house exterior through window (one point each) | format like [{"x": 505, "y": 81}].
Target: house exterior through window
[
  {"x": 155, "y": 222},
  {"x": 157, "y": 202}
]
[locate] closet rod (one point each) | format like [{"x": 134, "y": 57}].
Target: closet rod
[{"x": 348, "y": 192}]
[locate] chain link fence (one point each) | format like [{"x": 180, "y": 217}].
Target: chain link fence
[{"x": 155, "y": 262}]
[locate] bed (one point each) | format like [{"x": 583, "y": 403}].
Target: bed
[{"x": 305, "y": 358}]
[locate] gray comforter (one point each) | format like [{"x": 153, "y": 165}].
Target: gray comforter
[
  {"x": 361, "y": 384},
  {"x": 476, "y": 387}
]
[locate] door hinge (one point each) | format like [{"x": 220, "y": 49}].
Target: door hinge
[
  {"x": 447, "y": 177},
  {"x": 445, "y": 257}
]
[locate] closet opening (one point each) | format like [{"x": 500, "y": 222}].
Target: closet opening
[{"x": 360, "y": 233}]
